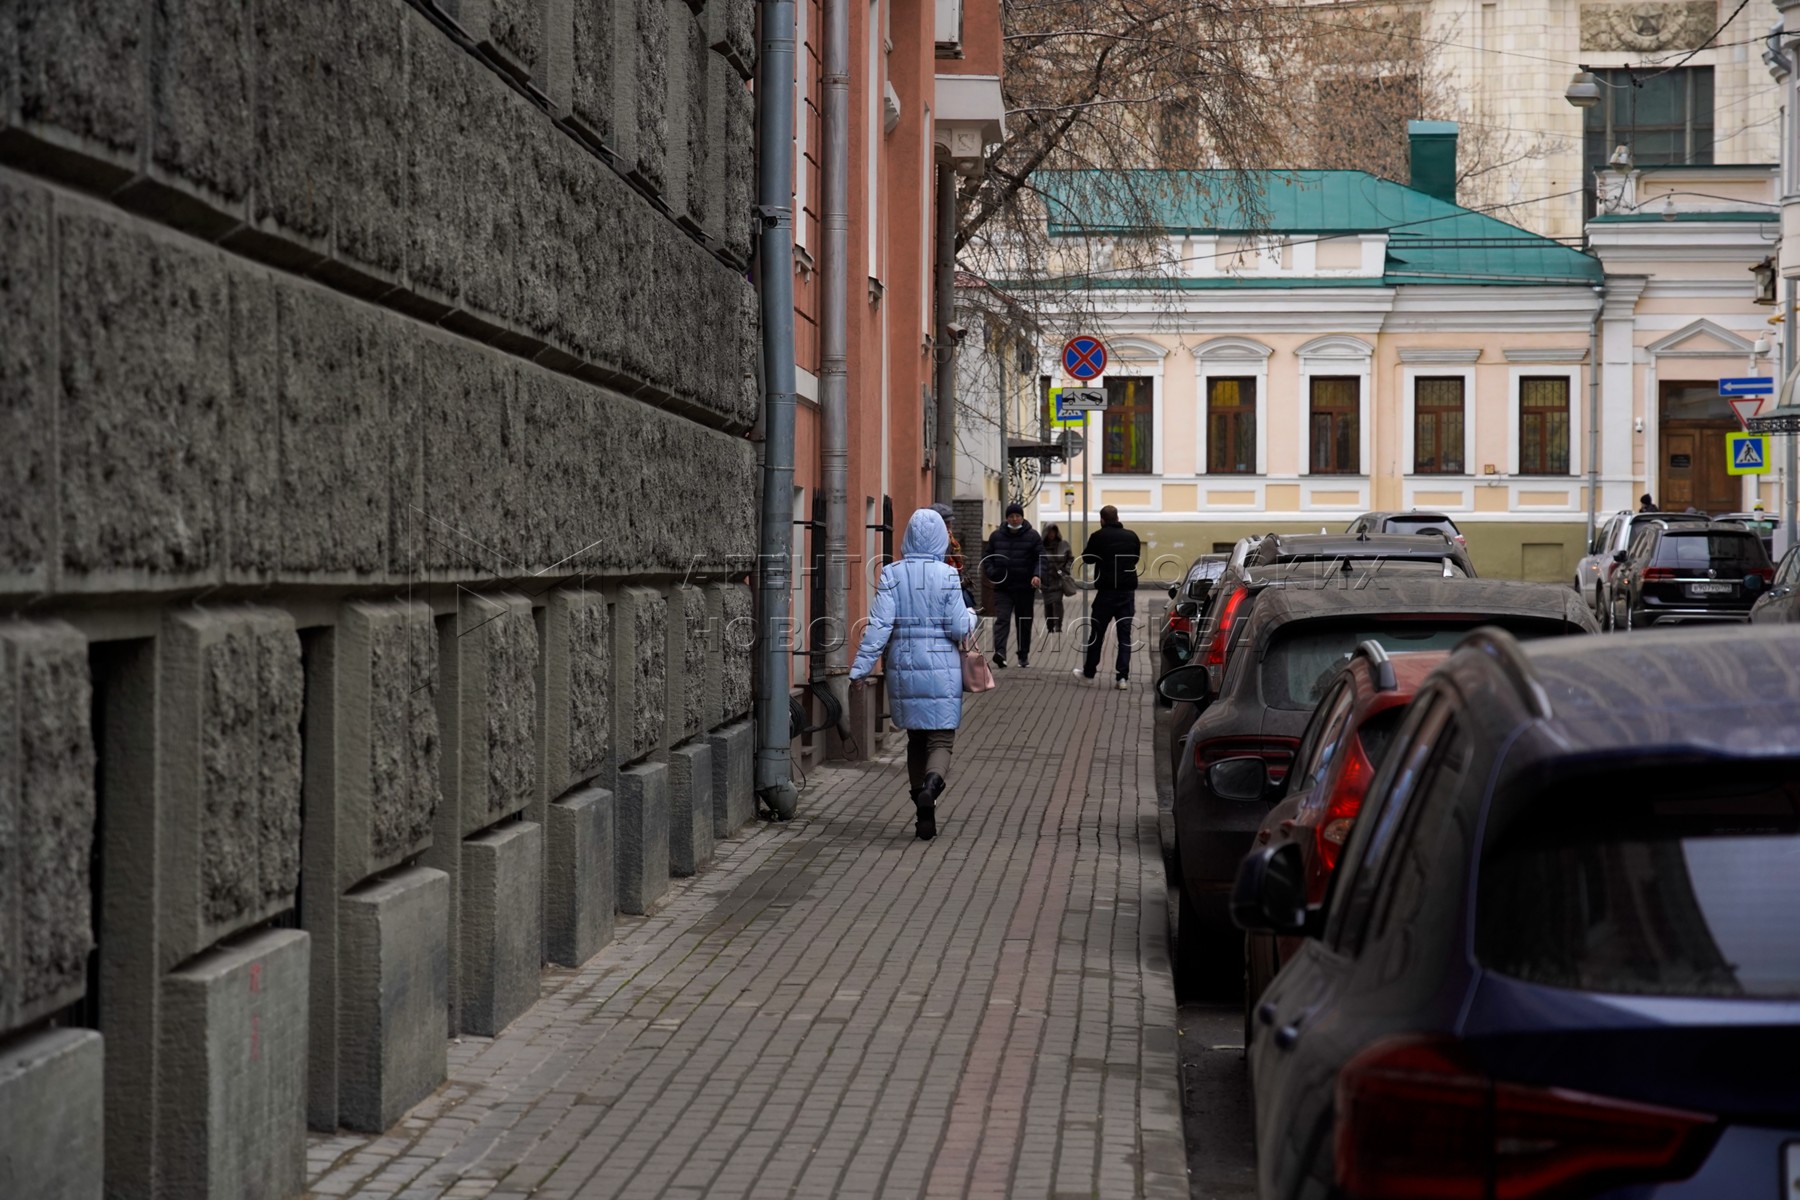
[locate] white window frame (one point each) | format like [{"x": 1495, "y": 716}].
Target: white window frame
[
  {"x": 1231, "y": 356},
  {"x": 1514, "y": 407},
  {"x": 1408, "y": 430},
  {"x": 1336, "y": 354}
]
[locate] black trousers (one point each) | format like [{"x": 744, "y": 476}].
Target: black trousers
[
  {"x": 1109, "y": 606},
  {"x": 1053, "y": 602},
  {"x": 1007, "y": 605}
]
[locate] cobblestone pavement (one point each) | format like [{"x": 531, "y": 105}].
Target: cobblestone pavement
[{"x": 837, "y": 1009}]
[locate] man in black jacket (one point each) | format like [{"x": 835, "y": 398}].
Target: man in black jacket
[
  {"x": 1112, "y": 555},
  {"x": 1011, "y": 563}
]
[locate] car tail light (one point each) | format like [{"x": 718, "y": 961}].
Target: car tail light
[
  {"x": 1416, "y": 1119},
  {"x": 1767, "y": 573},
  {"x": 1221, "y": 637},
  {"x": 1653, "y": 574},
  {"x": 1277, "y": 753},
  {"x": 1341, "y": 809},
  {"x": 1180, "y": 624}
]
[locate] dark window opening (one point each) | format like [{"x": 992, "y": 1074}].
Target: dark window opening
[
  {"x": 1231, "y": 425},
  {"x": 1663, "y": 118},
  {"x": 1438, "y": 426}
]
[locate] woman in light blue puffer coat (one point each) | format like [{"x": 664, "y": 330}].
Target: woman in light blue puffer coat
[{"x": 920, "y": 619}]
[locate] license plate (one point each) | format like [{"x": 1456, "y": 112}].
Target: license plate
[
  {"x": 1790, "y": 1169},
  {"x": 1711, "y": 589}
]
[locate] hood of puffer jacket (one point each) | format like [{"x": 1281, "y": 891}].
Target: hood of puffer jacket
[{"x": 926, "y": 536}]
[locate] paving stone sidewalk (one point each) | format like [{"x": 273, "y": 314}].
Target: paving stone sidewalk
[{"x": 837, "y": 1009}]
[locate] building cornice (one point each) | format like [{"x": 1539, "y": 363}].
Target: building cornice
[{"x": 1439, "y": 355}]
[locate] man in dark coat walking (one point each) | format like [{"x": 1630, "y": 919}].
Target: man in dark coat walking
[
  {"x": 1112, "y": 554},
  {"x": 1011, "y": 563}
]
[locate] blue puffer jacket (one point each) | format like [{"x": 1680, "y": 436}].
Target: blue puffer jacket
[{"x": 919, "y": 610}]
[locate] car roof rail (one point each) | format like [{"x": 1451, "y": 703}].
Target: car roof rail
[
  {"x": 1509, "y": 655},
  {"x": 1382, "y": 666}
]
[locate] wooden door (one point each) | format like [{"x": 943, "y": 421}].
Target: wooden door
[{"x": 1693, "y": 468}]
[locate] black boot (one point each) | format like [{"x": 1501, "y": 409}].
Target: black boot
[{"x": 925, "y": 800}]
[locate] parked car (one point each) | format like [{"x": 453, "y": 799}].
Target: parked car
[
  {"x": 1556, "y": 958},
  {"x": 1688, "y": 571},
  {"x": 1343, "y": 743},
  {"x": 1288, "y": 651},
  {"x": 1763, "y": 524},
  {"x": 1214, "y": 637},
  {"x": 1187, "y": 601},
  {"x": 1594, "y": 573},
  {"x": 1780, "y": 604},
  {"x": 1412, "y": 522}
]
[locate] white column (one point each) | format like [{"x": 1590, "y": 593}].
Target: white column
[{"x": 1617, "y": 324}]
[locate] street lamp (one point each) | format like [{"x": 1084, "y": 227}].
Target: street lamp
[
  {"x": 1765, "y": 280},
  {"x": 1583, "y": 90}
]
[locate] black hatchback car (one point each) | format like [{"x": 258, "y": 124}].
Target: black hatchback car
[
  {"x": 1558, "y": 956},
  {"x": 1686, "y": 572},
  {"x": 1283, "y": 656}
]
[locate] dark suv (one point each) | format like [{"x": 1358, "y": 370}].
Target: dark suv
[
  {"x": 1557, "y": 956},
  {"x": 1284, "y": 655},
  {"x": 1681, "y": 572}
]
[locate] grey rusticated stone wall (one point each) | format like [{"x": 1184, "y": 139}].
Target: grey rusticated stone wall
[{"x": 374, "y": 397}]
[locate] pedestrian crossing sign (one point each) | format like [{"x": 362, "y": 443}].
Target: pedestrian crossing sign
[
  {"x": 1065, "y": 418},
  {"x": 1747, "y": 454}
]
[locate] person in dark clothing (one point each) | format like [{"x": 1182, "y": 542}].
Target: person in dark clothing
[
  {"x": 1011, "y": 564},
  {"x": 1112, "y": 554},
  {"x": 1053, "y": 569},
  {"x": 1646, "y": 504}
]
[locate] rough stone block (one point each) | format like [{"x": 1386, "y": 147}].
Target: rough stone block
[
  {"x": 734, "y": 777},
  {"x": 51, "y": 1109},
  {"x": 80, "y": 80},
  {"x": 690, "y": 808},
  {"x": 594, "y": 66},
  {"x": 46, "y": 819},
  {"x": 688, "y": 65},
  {"x": 740, "y": 170},
  {"x": 720, "y": 78},
  {"x": 577, "y": 665},
  {"x": 387, "y": 736},
  {"x": 231, "y": 1071},
  {"x": 146, "y": 380},
  {"x": 229, "y": 843},
  {"x": 335, "y": 455},
  {"x": 580, "y": 889},
  {"x": 732, "y": 614},
  {"x": 253, "y": 509},
  {"x": 301, "y": 55},
  {"x": 373, "y": 141},
  {"x": 202, "y": 123},
  {"x": 731, "y": 31},
  {"x": 474, "y": 471},
  {"x": 497, "y": 642},
  {"x": 643, "y": 841},
  {"x": 691, "y": 653},
  {"x": 640, "y": 650},
  {"x": 651, "y": 102},
  {"x": 443, "y": 95},
  {"x": 393, "y": 988},
  {"x": 502, "y": 924},
  {"x": 27, "y": 388},
  {"x": 511, "y": 30}
]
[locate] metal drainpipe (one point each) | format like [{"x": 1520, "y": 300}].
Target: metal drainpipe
[
  {"x": 943, "y": 487},
  {"x": 775, "y": 195},
  {"x": 1594, "y": 415},
  {"x": 1790, "y": 336},
  {"x": 834, "y": 449}
]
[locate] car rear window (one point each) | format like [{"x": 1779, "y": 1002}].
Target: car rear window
[
  {"x": 1668, "y": 882},
  {"x": 1302, "y": 658},
  {"x": 1378, "y": 731},
  {"x": 1419, "y": 524},
  {"x": 1735, "y": 553}
]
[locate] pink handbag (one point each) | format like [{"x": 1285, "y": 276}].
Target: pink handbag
[{"x": 976, "y": 675}]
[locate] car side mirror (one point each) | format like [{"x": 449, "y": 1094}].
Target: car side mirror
[
  {"x": 1189, "y": 684},
  {"x": 1244, "y": 778},
  {"x": 1753, "y": 584},
  {"x": 1619, "y": 556},
  {"x": 1173, "y": 588},
  {"x": 1269, "y": 895}
]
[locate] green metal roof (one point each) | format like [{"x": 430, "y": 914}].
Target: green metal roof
[
  {"x": 1646, "y": 218},
  {"x": 1430, "y": 241}
]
